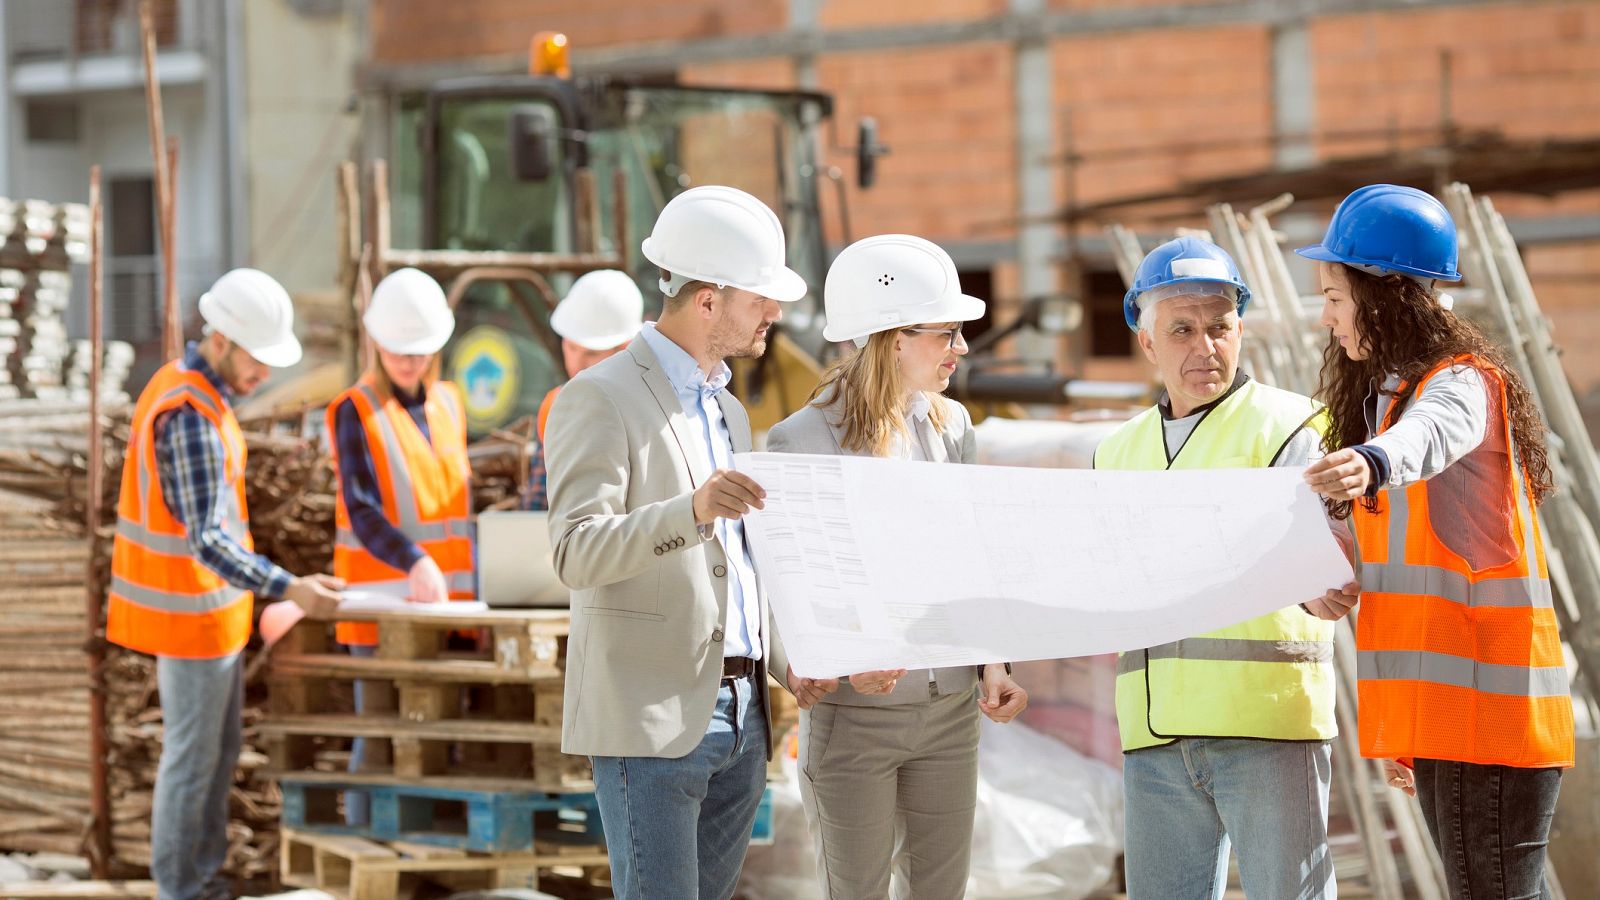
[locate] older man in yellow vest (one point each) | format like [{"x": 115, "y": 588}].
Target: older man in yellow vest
[
  {"x": 184, "y": 571},
  {"x": 1226, "y": 734}
]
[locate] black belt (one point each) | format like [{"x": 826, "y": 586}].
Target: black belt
[{"x": 738, "y": 667}]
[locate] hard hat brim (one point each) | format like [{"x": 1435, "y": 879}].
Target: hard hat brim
[
  {"x": 280, "y": 355},
  {"x": 960, "y": 308},
  {"x": 604, "y": 342},
  {"x": 427, "y": 346},
  {"x": 1321, "y": 253}
]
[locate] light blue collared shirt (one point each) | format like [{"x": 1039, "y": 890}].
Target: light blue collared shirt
[{"x": 698, "y": 395}]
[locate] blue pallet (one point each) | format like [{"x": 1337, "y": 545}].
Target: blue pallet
[
  {"x": 761, "y": 832},
  {"x": 495, "y": 821}
]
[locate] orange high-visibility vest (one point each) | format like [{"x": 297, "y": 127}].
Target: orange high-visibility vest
[
  {"x": 1458, "y": 662},
  {"x": 544, "y": 410},
  {"x": 426, "y": 488},
  {"x": 163, "y": 600}
]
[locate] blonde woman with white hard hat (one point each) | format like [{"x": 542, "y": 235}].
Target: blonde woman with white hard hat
[
  {"x": 184, "y": 572},
  {"x": 600, "y": 315},
  {"x": 889, "y": 759},
  {"x": 399, "y": 442}
]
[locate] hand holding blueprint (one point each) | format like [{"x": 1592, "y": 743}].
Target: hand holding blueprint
[{"x": 874, "y": 564}]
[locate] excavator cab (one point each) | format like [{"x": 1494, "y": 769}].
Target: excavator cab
[{"x": 534, "y": 165}]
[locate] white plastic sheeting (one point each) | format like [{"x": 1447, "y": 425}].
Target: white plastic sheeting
[{"x": 1049, "y": 825}]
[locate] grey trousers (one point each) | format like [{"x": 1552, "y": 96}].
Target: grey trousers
[
  {"x": 201, "y": 708},
  {"x": 891, "y": 788}
]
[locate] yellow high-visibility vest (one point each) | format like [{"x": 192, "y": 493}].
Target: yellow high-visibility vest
[{"x": 1271, "y": 677}]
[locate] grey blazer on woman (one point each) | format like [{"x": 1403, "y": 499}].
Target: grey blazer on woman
[{"x": 813, "y": 429}]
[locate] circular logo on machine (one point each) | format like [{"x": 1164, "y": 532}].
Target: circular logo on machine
[{"x": 484, "y": 365}]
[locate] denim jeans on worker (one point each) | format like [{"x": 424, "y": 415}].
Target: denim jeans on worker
[
  {"x": 357, "y": 804},
  {"x": 1491, "y": 825},
  {"x": 1185, "y": 801},
  {"x": 678, "y": 828},
  {"x": 202, "y": 731}
]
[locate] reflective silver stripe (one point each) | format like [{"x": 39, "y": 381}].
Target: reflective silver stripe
[
  {"x": 169, "y": 544},
  {"x": 459, "y": 581},
  {"x": 405, "y": 493},
  {"x": 180, "y": 603},
  {"x": 1230, "y": 650},
  {"x": 1399, "y": 577},
  {"x": 1460, "y": 671},
  {"x": 1436, "y": 581}
]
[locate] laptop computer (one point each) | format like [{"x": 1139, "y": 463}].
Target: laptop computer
[{"x": 515, "y": 569}]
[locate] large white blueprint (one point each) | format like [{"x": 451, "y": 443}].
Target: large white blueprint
[{"x": 874, "y": 563}]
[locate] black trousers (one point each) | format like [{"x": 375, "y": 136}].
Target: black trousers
[{"x": 1491, "y": 825}]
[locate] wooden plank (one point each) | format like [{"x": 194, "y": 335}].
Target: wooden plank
[
  {"x": 54, "y": 890},
  {"x": 464, "y": 671},
  {"x": 486, "y": 730},
  {"x": 549, "y": 621},
  {"x": 461, "y": 782}
]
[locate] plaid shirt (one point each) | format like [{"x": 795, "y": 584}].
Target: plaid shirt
[
  {"x": 536, "y": 493},
  {"x": 189, "y": 463},
  {"x": 358, "y": 482}
]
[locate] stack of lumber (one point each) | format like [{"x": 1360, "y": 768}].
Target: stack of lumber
[
  {"x": 39, "y": 241},
  {"x": 45, "y": 772}
]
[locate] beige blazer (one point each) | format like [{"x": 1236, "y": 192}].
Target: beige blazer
[
  {"x": 813, "y": 429},
  {"x": 649, "y": 593}
]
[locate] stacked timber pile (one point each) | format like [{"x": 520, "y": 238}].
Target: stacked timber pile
[
  {"x": 45, "y": 770},
  {"x": 39, "y": 242}
]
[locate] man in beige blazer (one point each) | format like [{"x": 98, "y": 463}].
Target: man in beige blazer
[{"x": 668, "y": 656}]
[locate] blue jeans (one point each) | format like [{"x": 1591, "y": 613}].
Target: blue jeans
[
  {"x": 1491, "y": 825},
  {"x": 678, "y": 828},
  {"x": 1187, "y": 799},
  {"x": 201, "y": 704},
  {"x": 357, "y": 804}
]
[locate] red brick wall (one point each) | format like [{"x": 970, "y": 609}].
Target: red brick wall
[
  {"x": 1136, "y": 99},
  {"x": 948, "y": 116}
]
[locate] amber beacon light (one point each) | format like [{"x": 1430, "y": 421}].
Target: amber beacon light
[{"x": 548, "y": 55}]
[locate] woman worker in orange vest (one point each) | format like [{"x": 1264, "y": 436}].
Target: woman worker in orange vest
[
  {"x": 1437, "y": 453},
  {"x": 400, "y": 448}
]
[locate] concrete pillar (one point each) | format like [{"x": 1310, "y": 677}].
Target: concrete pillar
[
  {"x": 1036, "y": 175},
  {"x": 805, "y": 14},
  {"x": 1293, "y": 95},
  {"x": 8, "y": 110}
]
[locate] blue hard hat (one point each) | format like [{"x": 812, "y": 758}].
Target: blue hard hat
[
  {"x": 1385, "y": 228},
  {"x": 1185, "y": 261}
]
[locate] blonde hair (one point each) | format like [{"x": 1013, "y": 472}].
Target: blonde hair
[
  {"x": 384, "y": 385},
  {"x": 869, "y": 394}
]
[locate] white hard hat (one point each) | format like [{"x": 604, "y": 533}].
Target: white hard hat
[
  {"x": 250, "y": 308},
  {"x": 726, "y": 237},
  {"x": 409, "y": 314},
  {"x": 891, "y": 281},
  {"x": 604, "y": 309}
]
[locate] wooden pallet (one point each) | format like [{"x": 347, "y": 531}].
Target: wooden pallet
[
  {"x": 353, "y": 868},
  {"x": 462, "y": 818},
  {"x": 431, "y": 710}
]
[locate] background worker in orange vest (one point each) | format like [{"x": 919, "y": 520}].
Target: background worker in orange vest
[
  {"x": 183, "y": 571},
  {"x": 404, "y": 505},
  {"x": 1437, "y": 453},
  {"x": 601, "y": 314}
]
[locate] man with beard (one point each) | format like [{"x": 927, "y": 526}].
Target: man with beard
[
  {"x": 183, "y": 571},
  {"x": 668, "y": 657}
]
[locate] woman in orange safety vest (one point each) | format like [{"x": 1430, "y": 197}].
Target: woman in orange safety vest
[
  {"x": 399, "y": 440},
  {"x": 1437, "y": 454}
]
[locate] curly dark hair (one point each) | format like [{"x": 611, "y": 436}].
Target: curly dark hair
[{"x": 1418, "y": 334}]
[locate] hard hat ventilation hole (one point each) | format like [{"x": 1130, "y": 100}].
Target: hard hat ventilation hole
[{"x": 885, "y": 280}]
